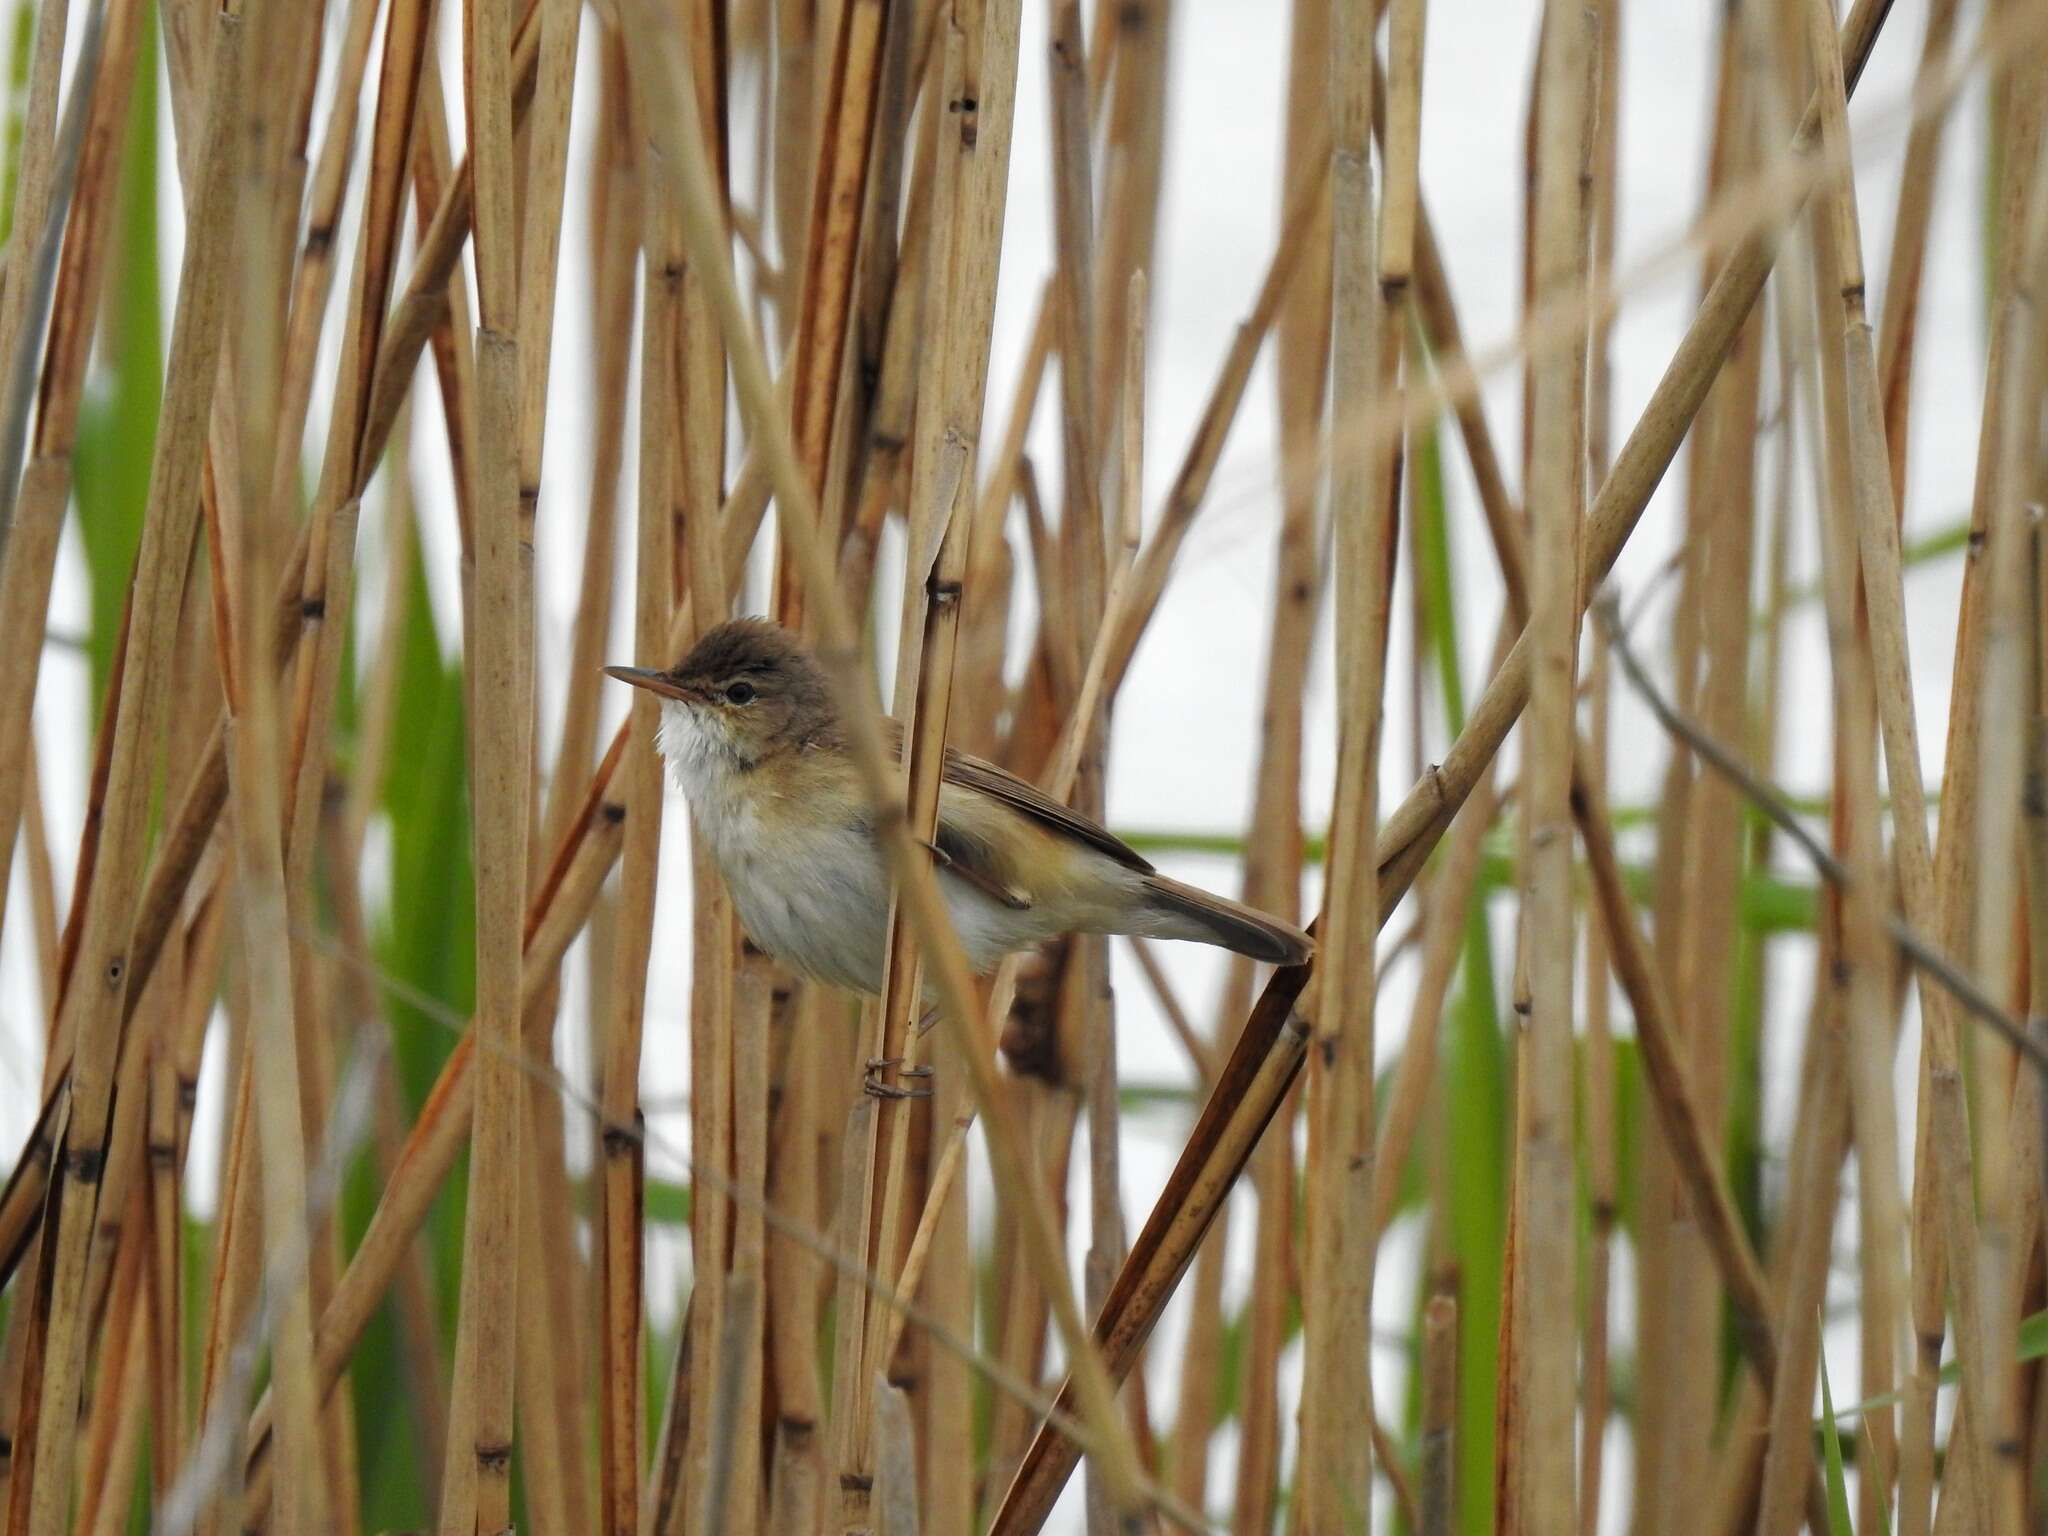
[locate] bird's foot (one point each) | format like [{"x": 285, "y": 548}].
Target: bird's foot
[{"x": 874, "y": 1087}]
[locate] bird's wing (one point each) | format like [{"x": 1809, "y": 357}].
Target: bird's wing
[{"x": 1023, "y": 796}]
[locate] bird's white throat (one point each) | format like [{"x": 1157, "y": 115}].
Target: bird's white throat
[{"x": 702, "y": 756}]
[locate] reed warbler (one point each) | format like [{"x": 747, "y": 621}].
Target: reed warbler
[{"x": 753, "y": 739}]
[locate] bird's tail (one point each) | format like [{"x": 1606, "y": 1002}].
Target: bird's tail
[{"x": 1183, "y": 912}]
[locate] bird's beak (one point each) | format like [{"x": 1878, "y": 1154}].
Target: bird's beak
[{"x": 653, "y": 682}]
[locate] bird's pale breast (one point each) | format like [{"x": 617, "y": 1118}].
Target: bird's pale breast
[{"x": 794, "y": 842}]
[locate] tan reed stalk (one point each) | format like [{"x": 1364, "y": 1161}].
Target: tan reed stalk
[
  {"x": 314, "y": 275},
  {"x": 686, "y": 425},
  {"x": 1854, "y": 958},
  {"x": 850, "y": 1223},
  {"x": 113, "y": 1408},
  {"x": 1337, "y": 1290},
  {"x": 1437, "y": 1474},
  {"x": 1722, "y": 519},
  {"x": 42, "y": 886},
  {"x": 1871, "y": 1038},
  {"x": 1269, "y": 1050},
  {"x": 1273, "y": 867},
  {"x": 746, "y": 1502},
  {"x": 620, "y": 1265},
  {"x": 615, "y": 223},
  {"x": 2011, "y": 368},
  {"x": 30, "y": 536},
  {"x": 1679, "y": 1373},
  {"x": 2030, "y": 1098},
  {"x": 284, "y": 1066},
  {"x": 845, "y": 149},
  {"x": 1545, "y": 1397},
  {"x": 165, "y": 1140},
  {"x": 1085, "y": 744},
  {"x": 236, "y": 1262},
  {"x": 1603, "y": 1176},
  {"x": 478, "y": 1475},
  {"x": 981, "y": 142},
  {"x": 1997, "y": 900},
  {"x": 696, "y": 402},
  {"x": 1878, "y": 540},
  {"x": 549, "y": 1376},
  {"x": 965, "y": 241},
  {"x": 794, "y": 1280},
  {"x": 935, "y": 565},
  {"x": 1812, "y": 1189},
  {"x": 447, "y": 333},
  {"x": 1081, "y": 1018},
  {"x": 1898, "y": 321},
  {"x": 36, "y": 512}
]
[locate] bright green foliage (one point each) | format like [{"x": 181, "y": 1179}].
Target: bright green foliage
[
  {"x": 426, "y": 940},
  {"x": 1839, "y": 1523}
]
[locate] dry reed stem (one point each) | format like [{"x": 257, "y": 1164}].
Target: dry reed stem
[
  {"x": 476, "y": 1491},
  {"x": 1957, "y": 833},
  {"x": 261, "y": 777},
  {"x": 1878, "y": 541},
  {"x": 314, "y": 274},
  {"x": 934, "y": 570},
  {"x": 84, "y": 162},
  {"x": 1544, "y": 1398},
  {"x": 1601, "y": 1137},
  {"x": 1272, "y": 875},
  {"x": 620, "y": 1268},
  {"x": 1897, "y": 327},
  {"x": 1712, "y": 637},
  {"x": 1337, "y": 1290},
  {"x": 615, "y": 223}
]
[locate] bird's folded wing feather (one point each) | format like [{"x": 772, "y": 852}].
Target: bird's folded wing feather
[{"x": 1021, "y": 795}]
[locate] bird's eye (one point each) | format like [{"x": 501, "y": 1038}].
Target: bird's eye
[{"x": 739, "y": 693}]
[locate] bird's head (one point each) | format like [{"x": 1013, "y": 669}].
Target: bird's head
[{"x": 747, "y": 691}]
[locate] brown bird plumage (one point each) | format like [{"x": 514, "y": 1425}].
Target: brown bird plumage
[{"x": 754, "y": 741}]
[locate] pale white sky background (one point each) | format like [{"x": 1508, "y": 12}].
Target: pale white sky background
[{"x": 1186, "y": 721}]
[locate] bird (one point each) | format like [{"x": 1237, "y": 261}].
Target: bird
[{"x": 753, "y": 738}]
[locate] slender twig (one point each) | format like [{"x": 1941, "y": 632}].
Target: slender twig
[{"x": 1774, "y": 804}]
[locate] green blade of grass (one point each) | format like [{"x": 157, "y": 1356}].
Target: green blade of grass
[{"x": 1838, "y": 1485}]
